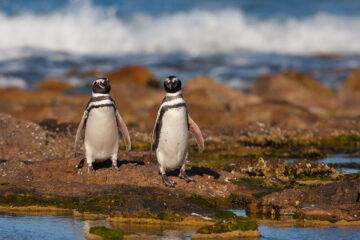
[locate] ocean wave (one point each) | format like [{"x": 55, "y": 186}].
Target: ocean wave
[
  {"x": 12, "y": 82},
  {"x": 89, "y": 29}
]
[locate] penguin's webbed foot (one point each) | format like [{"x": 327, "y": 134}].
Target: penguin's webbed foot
[
  {"x": 167, "y": 182},
  {"x": 91, "y": 169},
  {"x": 115, "y": 168},
  {"x": 184, "y": 176}
]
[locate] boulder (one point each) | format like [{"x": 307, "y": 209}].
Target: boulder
[
  {"x": 348, "y": 95},
  {"x": 38, "y": 106},
  {"x": 209, "y": 94},
  {"x": 137, "y": 105},
  {"x": 136, "y": 74},
  {"x": 296, "y": 88},
  {"x": 273, "y": 113},
  {"x": 352, "y": 83},
  {"x": 55, "y": 85}
]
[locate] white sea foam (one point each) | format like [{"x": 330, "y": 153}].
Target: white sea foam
[
  {"x": 12, "y": 82},
  {"x": 87, "y": 29}
]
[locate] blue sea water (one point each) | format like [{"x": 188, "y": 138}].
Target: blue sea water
[
  {"x": 232, "y": 41},
  {"x": 67, "y": 228}
]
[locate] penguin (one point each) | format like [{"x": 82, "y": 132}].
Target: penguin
[
  {"x": 102, "y": 123},
  {"x": 170, "y": 133}
]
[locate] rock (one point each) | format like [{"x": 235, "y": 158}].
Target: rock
[
  {"x": 138, "y": 105},
  {"x": 349, "y": 95},
  {"x": 273, "y": 113},
  {"x": 38, "y": 106},
  {"x": 237, "y": 234},
  {"x": 274, "y": 168},
  {"x": 55, "y": 85},
  {"x": 136, "y": 74},
  {"x": 296, "y": 88},
  {"x": 229, "y": 228},
  {"x": 20, "y": 140},
  {"x": 209, "y": 94},
  {"x": 334, "y": 201},
  {"x": 289, "y": 198},
  {"x": 352, "y": 83},
  {"x": 305, "y": 168}
]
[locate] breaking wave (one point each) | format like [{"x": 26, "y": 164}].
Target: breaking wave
[{"x": 89, "y": 29}]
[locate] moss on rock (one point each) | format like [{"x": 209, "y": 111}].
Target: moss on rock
[
  {"x": 232, "y": 224},
  {"x": 108, "y": 233}
]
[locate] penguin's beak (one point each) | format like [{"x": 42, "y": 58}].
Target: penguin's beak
[
  {"x": 101, "y": 83},
  {"x": 171, "y": 84}
]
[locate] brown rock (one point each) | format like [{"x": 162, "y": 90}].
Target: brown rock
[
  {"x": 334, "y": 201},
  {"x": 274, "y": 168},
  {"x": 296, "y": 88},
  {"x": 306, "y": 168},
  {"x": 136, "y": 74},
  {"x": 138, "y": 105},
  {"x": 284, "y": 199},
  {"x": 349, "y": 95},
  {"x": 278, "y": 113},
  {"x": 209, "y": 94},
  {"x": 353, "y": 81},
  {"x": 38, "y": 106},
  {"x": 20, "y": 140},
  {"x": 55, "y": 85}
]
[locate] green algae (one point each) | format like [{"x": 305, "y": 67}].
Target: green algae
[
  {"x": 201, "y": 202},
  {"x": 103, "y": 204},
  {"x": 235, "y": 223},
  {"x": 224, "y": 214},
  {"x": 109, "y": 233},
  {"x": 303, "y": 177},
  {"x": 166, "y": 215},
  {"x": 344, "y": 143}
]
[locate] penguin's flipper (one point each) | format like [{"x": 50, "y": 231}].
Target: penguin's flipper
[
  {"x": 124, "y": 131},
  {"x": 154, "y": 134},
  {"x": 195, "y": 130},
  {"x": 79, "y": 131}
]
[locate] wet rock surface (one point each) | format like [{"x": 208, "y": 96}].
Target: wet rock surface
[
  {"x": 247, "y": 137},
  {"x": 334, "y": 201}
]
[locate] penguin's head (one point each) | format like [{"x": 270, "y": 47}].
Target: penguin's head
[
  {"x": 172, "y": 84},
  {"x": 101, "y": 85}
]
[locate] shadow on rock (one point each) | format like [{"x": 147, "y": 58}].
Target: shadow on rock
[{"x": 195, "y": 171}]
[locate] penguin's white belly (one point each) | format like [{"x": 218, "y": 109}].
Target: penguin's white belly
[
  {"x": 101, "y": 133},
  {"x": 173, "y": 140}
]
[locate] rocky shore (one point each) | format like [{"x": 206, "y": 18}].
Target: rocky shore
[{"x": 247, "y": 138}]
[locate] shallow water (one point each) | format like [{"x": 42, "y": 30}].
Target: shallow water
[
  {"x": 40, "y": 227},
  {"x": 270, "y": 233},
  {"x": 60, "y": 227},
  {"x": 338, "y": 158}
]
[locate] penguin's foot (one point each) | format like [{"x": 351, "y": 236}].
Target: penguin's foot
[
  {"x": 115, "y": 168},
  {"x": 91, "y": 169},
  {"x": 188, "y": 179},
  {"x": 167, "y": 182}
]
